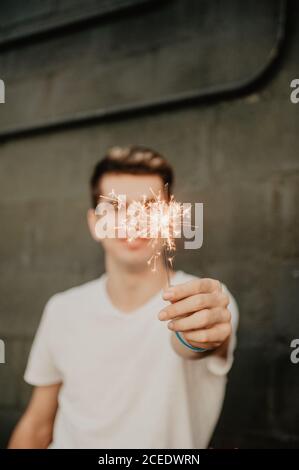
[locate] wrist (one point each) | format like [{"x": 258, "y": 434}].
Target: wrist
[{"x": 188, "y": 345}]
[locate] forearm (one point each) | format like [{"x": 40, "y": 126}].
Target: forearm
[{"x": 30, "y": 434}]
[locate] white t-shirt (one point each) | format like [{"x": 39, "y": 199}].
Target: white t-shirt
[{"x": 123, "y": 386}]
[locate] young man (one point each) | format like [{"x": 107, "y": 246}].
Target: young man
[{"x": 107, "y": 367}]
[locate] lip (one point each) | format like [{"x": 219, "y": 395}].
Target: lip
[{"x": 134, "y": 244}]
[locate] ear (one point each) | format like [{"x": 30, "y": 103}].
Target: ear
[{"x": 91, "y": 221}]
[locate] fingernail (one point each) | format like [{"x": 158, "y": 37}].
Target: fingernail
[
  {"x": 162, "y": 315},
  {"x": 170, "y": 325},
  {"x": 168, "y": 295}
]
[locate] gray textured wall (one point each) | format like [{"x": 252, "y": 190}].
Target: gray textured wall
[{"x": 239, "y": 156}]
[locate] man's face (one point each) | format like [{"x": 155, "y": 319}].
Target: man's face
[{"x": 134, "y": 253}]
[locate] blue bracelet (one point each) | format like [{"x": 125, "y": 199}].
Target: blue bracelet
[{"x": 189, "y": 345}]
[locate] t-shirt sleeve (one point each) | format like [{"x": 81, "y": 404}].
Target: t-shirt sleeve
[
  {"x": 41, "y": 367},
  {"x": 217, "y": 364}
]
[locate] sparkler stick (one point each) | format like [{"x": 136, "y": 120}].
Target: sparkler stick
[
  {"x": 164, "y": 220},
  {"x": 166, "y": 263},
  {"x": 164, "y": 248}
]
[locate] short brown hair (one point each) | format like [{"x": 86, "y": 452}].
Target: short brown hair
[{"x": 134, "y": 160}]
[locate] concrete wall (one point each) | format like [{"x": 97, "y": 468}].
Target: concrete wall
[{"x": 239, "y": 156}]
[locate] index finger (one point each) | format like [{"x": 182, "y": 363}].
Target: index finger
[{"x": 196, "y": 286}]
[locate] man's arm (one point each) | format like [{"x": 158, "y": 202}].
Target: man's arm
[{"x": 35, "y": 428}]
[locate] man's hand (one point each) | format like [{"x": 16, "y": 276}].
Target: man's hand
[{"x": 199, "y": 311}]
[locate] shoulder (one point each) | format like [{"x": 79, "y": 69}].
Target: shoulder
[
  {"x": 75, "y": 298},
  {"x": 181, "y": 277}
]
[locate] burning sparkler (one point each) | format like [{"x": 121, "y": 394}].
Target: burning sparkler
[{"x": 157, "y": 218}]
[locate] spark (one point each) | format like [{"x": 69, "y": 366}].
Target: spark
[{"x": 156, "y": 218}]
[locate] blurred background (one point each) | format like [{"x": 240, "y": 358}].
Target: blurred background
[{"x": 207, "y": 83}]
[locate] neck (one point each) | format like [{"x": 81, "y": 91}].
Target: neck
[{"x": 130, "y": 288}]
